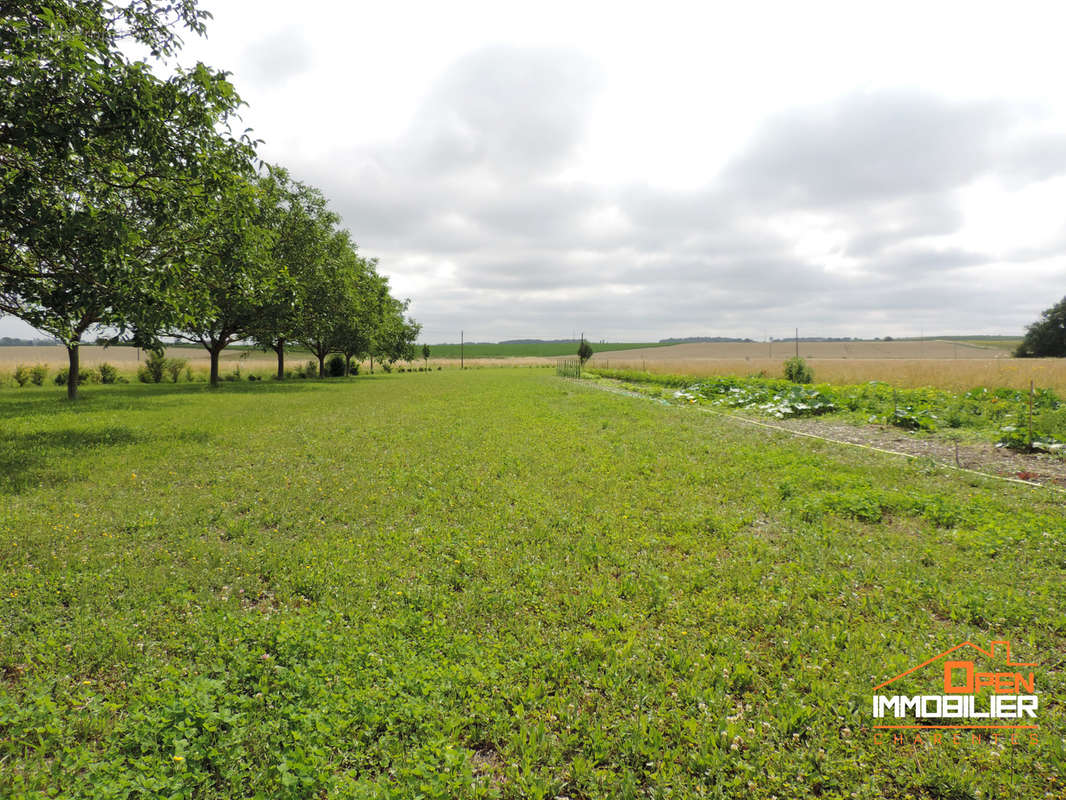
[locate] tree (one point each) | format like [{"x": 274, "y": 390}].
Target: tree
[
  {"x": 425, "y": 354},
  {"x": 327, "y": 293},
  {"x": 234, "y": 277},
  {"x": 394, "y": 338},
  {"x": 99, "y": 159},
  {"x": 354, "y": 331},
  {"x": 303, "y": 226},
  {"x": 584, "y": 350},
  {"x": 1047, "y": 336}
]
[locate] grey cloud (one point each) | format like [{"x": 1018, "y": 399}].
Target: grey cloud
[
  {"x": 476, "y": 182},
  {"x": 517, "y": 111},
  {"x": 870, "y": 147},
  {"x": 276, "y": 59}
]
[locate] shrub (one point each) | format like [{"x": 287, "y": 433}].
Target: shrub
[
  {"x": 37, "y": 374},
  {"x": 84, "y": 376},
  {"x": 797, "y": 371},
  {"x": 173, "y": 367},
  {"x": 355, "y": 369},
  {"x": 21, "y": 375},
  {"x": 335, "y": 366},
  {"x": 386, "y": 366},
  {"x": 108, "y": 374},
  {"x": 152, "y": 369}
]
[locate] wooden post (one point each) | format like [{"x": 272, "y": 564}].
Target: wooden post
[{"x": 1030, "y": 414}]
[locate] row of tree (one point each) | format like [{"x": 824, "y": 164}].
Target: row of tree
[{"x": 131, "y": 206}]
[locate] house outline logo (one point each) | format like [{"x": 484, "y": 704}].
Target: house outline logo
[{"x": 959, "y": 698}]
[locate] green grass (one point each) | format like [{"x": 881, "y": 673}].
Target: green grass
[
  {"x": 542, "y": 349},
  {"x": 490, "y": 584}
]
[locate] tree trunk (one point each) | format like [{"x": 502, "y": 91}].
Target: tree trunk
[
  {"x": 347, "y": 365},
  {"x": 322, "y": 366},
  {"x": 280, "y": 350},
  {"x": 72, "y": 372},
  {"x": 215, "y": 351}
]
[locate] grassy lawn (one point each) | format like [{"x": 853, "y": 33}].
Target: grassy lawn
[{"x": 492, "y": 583}]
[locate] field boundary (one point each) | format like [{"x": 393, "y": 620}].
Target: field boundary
[{"x": 781, "y": 428}]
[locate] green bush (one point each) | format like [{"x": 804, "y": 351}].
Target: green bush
[
  {"x": 152, "y": 369},
  {"x": 173, "y": 368},
  {"x": 108, "y": 374},
  {"x": 335, "y": 366},
  {"x": 21, "y": 375},
  {"x": 87, "y": 375},
  {"x": 797, "y": 371},
  {"x": 37, "y": 374}
]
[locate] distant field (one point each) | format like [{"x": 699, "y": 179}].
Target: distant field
[
  {"x": 493, "y": 584},
  {"x": 543, "y": 350},
  {"x": 127, "y": 358},
  {"x": 938, "y": 363},
  {"x": 931, "y": 348},
  {"x": 957, "y": 375}
]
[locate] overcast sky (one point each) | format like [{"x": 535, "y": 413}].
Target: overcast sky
[{"x": 679, "y": 169}]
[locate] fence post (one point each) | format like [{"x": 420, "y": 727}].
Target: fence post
[{"x": 1031, "y": 413}]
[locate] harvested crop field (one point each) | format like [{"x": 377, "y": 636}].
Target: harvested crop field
[
  {"x": 127, "y": 358},
  {"x": 942, "y": 364}
]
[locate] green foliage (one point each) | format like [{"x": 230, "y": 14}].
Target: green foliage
[
  {"x": 154, "y": 366},
  {"x": 174, "y": 367},
  {"x": 584, "y": 351},
  {"x": 621, "y": 600},
  {"x": 37, "y": 374},
  {"x": 335, "y": 366},
  {"x": 21, "y": 375},
  {"x": 995, "y": 414},
  {"x": 911, "y": 419},
  {"x": 798, "y": 371},
  {"x": 108, "y": 373},
  {"x": 1047, "y": 336},
  {"x": 85, "y": 375},
  {"x": 97, "y": 151}
]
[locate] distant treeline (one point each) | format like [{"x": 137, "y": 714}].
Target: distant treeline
[
  {"x": 7, "y": 341},
  {"x": 694, "y": 339}
]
